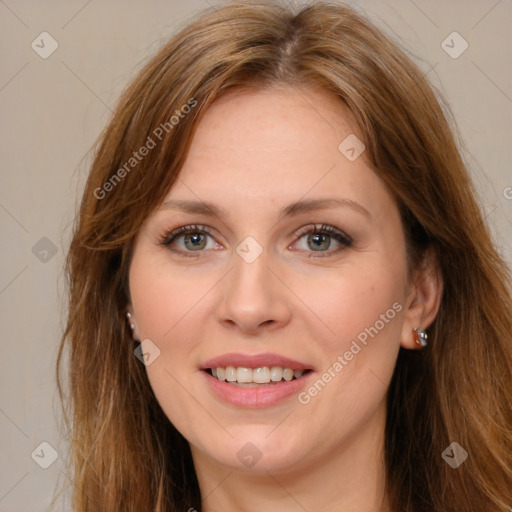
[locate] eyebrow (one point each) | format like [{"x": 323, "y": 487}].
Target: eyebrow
[{"x": 303, "y": 206}]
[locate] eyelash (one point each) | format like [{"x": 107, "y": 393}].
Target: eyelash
[{"x": 168, "y": 238}]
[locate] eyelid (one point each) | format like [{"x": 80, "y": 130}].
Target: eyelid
[
  {"x": 168, "y": 237},
  {"x": 324, "y": 228}
]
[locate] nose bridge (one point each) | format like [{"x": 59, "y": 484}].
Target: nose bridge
[
  {"x": 252, "y": 296},
  {"x": 250, "y": 280}
]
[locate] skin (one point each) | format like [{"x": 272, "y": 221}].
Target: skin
[{"x": 253, "y": 154}]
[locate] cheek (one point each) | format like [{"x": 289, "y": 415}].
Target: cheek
[
  {"x": 363, "y": 310},
  {"x": 165, "y": 302},
  {"x": 162, "y": 296},
  {"x": 359, "y": 299}
]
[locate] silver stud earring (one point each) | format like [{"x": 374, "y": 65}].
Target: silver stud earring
[
  {"x": 421, "y": 336},
  {"x": 129, "y": 316}
]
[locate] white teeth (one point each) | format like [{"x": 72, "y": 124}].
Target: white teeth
[
  {"x": 231, "y": 374},
  {"x": 276, "y": 373},
  {"x": 243, "y": 374},
  {"x": 288, "y": 374},
  {"x": 262, "y": 375}
]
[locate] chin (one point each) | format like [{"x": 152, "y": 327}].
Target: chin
[{"x": 258, "y": 450}]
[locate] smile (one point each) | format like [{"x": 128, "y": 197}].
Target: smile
[
  {"x": 253, "y": 377},
  {"x": 255, "y": 380}
]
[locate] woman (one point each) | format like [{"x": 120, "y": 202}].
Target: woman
[{"x": 282, "y": 292}]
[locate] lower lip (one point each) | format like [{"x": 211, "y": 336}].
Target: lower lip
[{"x": 256, "y": 397}]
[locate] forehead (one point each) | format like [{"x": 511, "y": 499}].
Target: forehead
[
  {"x": 277, "y": 145},
  {"x": 275, "y": 120}
]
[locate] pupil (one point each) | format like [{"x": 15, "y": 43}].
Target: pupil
[
  {"x": 319, "y": 241},
  {"x": 195, "y": 241}
]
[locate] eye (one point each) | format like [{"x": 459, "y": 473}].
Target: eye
[
  {"x": 322, "y": 239},
  {"x": 186, "y": 240},
  {"x": 191, "y": 238}
]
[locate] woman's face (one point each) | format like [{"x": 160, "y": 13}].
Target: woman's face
[{"x": 290, "y": 257}]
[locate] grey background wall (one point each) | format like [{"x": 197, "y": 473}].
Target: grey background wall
[{"x": 54, "y": 101}]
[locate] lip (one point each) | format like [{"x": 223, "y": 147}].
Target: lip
[
  {"x": 257, "y": 397},
  {"x": 254, "y": 361},
  {"x": 263, "y": 395}
]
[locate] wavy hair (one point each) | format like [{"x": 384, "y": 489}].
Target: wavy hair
[{"x": 125, "y": 454}]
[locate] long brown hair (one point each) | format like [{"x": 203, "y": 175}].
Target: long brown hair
[{"x": 125, "y": 454}]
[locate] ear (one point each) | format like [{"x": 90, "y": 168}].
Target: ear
[
  {"x": 425, "y": 292},
  {"x": 132, "y": 322}
]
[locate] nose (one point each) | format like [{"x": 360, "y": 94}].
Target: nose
[{"x": 252, "y": 298}]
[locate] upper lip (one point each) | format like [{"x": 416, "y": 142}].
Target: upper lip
[{"x": 254, "y": 361}]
